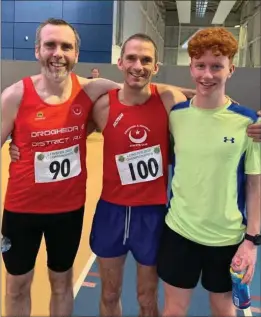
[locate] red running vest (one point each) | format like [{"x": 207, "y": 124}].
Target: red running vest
[
  {"x": 50, "y": 176},
  {"x": 135, "y": 159}
]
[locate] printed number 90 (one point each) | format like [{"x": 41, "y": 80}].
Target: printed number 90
[{"x": 64, "y": 167}]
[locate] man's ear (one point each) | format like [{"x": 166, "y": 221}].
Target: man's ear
[
  {"x": 119, "y": 63},
  {"x": 231, "y": 70},
  {"x": 37, "y": 52}
]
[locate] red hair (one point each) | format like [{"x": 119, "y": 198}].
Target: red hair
[{"x": 217, "y": 39}]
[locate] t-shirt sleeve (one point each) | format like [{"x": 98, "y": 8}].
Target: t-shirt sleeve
[{"x": 253, "y": 157}]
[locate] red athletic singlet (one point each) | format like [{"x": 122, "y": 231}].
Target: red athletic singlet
[
  {"x": 136, "y": 142},
  {"x": 50, "y": 176}
]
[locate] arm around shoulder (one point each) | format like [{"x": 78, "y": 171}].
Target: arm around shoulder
[
  {"x": 97, "y": 87},
  {"x": 100, "y": 112},
  {"x": 188, "y": 92},
  {"x": 170, "y": 96},
  {"x": 10, "y": 101}
]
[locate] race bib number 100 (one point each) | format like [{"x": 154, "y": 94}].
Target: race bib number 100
[
  {"x": 140, "y": 166},
  {"x": 57, "y": 165}
]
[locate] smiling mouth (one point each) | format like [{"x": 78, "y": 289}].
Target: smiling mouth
[
  {"x": 137, "y": 75},
  {"x": 58, "y": 65},
  {"x": 208, "y": 84}
]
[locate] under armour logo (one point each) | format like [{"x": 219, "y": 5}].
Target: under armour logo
[{"x": 226, "y": 139}]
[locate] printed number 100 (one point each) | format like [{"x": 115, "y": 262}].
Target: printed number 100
[{"x": 144, "y": 169}]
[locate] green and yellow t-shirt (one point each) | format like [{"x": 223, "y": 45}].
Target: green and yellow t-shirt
[{"x": 213, "y": 154}]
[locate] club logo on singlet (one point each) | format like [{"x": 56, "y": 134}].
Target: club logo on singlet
[
  {"x": 138, "y": 135},
  {"x": 39, "y": 116},
  {"x": 77, "y": 110}
]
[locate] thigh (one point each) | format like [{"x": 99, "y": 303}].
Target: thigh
[
  {"x": 176, "y": 301},
  {"x": 62, "y": 236},
  {"x": 146, "y": 225},
  {"x": 111, "y": 274},
  {"x": 107, "y": 237},
  {"x": 25, "y": 233},
  {"x": 222, "y": 305},
  {"x": 147, "y": 281},
  {"x": 179, "y": 260},
  {"x": 216, "y": 264}
]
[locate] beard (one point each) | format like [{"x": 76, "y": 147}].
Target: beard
[{"x": 57, "y": 74}]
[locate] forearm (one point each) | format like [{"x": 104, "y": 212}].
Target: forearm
[
  {"x": 6, "y": 130},
  {"x": 188, "y": 92},
  {"x": 253, "y": 204}
]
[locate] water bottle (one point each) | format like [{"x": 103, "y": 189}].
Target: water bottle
[
  {"x": 5, "y": 244},
  {"x": 240, "y": 292}
]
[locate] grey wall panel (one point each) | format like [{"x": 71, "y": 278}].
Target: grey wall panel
[{"x": 244, "y": 86}]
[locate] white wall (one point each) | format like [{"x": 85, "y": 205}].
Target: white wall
[{"x": 138, "y": 17}]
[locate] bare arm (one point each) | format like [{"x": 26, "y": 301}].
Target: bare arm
[
  {"x": 189, "y": 93},
  {"x": 170, "y": 96},
  {"x": 253, "y": 204},
  {"x": 245, "y": 257},
  {"x": 91, "y": 127},
  {"x": 97, "y": 87},
  {"x": 10, "y": 100},
  {"x": 100, "y": 112}
]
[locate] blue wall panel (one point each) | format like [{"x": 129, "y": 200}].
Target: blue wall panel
[
  {"x": 7, "y": 53},
  {"x": 7, "y": 11},
  {"x": 88, "y": 12},
  {"x": 95, "y": 37},
  {"x": 24, "y": 54},
  {"x": 37, "y": 11},
  {"x": 92, "y": 19},
  {"x": 95, "y": 57},
  {"x": 21, "y": 30},
  {"x": 7, "y": 34}
]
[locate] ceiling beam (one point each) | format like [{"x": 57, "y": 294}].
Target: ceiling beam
[
  {"x": 184, "y": 11},
  {"x": 223, "y": 11}
]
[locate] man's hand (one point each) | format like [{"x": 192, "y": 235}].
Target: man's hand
[
  {"x": 189, "y": 93},
  {"x": 254, "y": 130},
  {"x": 245, "y": 260},
  {"x": 14, "y": 152}
]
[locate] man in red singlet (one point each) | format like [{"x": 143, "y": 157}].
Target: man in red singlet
[
  {"x": 132, "y": 207},
  {"x": 131, "y": 211},
  {"x": 47, "y": 115}
]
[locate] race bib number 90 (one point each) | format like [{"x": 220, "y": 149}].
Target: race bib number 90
[
  {"x": 57, "y": 165},
  {"x": 140, "y": 166}
]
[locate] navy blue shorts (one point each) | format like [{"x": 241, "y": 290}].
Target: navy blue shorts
[{"x": 118, "y": 229}]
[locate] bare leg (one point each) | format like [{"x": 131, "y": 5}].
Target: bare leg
[
  {"x": 18, "y": 295},
  {"x": 176, "y": 301},
  {"x": 111, "y": 273},
  {"x": 222, "y": 305},
  {"x": 147, "y": 290},
  {"x": 61, "y": 303}
]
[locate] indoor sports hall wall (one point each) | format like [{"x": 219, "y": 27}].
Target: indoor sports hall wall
[
  {"x": 91, "y": 18},
  {"x": 244, "y": 86}
]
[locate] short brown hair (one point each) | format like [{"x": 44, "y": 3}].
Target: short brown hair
[
  {"x": 142, "y": 37},
  {"x": 54, "y": 21},
  {"x": 217, "y": 39}
]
